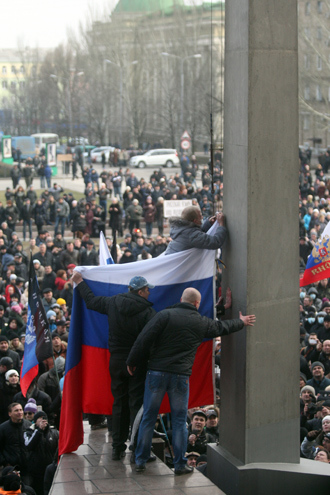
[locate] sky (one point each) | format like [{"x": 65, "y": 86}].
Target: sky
[{"x": 45, "y": 23}]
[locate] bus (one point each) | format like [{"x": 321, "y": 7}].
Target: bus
[{"x": 44, "y": 138}]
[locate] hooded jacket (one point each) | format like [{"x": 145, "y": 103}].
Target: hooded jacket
[
  {"x": 186, "y": 235},
  {"x": 127, "y": 314}
]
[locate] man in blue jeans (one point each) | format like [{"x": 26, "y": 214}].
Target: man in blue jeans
[{"x": 174, "y": 335}]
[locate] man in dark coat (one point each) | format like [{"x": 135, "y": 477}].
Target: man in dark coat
[
  {"x": 127, "y": 315},
  {"x": 44, "y": 257},
  {"x": 12, "y": 449},
  {"x": 174, "y": 336},
  {"x": 89, "y": 257},
  {"x": 198, "y": 438},
  {"x": 319, "y": 381},
  {"x": 41, "y": 442}
]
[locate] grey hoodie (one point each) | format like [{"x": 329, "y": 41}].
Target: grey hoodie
[{"x": 186, "y": 235}]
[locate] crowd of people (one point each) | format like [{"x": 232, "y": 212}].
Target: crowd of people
[
  {"x": 132, "y": 210},
  {"x": 314, "y": 214}
]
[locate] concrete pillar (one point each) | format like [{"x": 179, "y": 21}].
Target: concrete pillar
[
  {"x": 259, "y": 424},
  {"x": 260, "y": 366}
]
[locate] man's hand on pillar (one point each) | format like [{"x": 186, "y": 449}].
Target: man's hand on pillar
[{"x": 248, "y": 320}]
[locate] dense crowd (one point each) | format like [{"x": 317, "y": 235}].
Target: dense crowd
[
  {"x": 314, "y": 214},
  {"x": 132, "y": 210},
  {"x": 59, "y": 233}
]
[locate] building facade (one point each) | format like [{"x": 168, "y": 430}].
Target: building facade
[
  {"x": 314, "y": 72},
  {"x": 163, "y": 66}
]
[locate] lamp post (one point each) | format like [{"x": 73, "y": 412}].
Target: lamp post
[
  {"x": 55, "y": 77},
  {"x": 105, "y": 109},
  {"x": 182, "y": 60},
  {"x": 106, "y": 61}
]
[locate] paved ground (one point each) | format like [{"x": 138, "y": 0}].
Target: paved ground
[{"x": 91, "y": 470}]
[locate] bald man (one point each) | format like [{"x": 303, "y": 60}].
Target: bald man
[
  {"x": 189, "y": 231},
  {"x": 173, "y": 336}
]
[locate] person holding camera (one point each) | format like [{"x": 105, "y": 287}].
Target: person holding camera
[
  {"x": 307, "y": 405},
  {"x": 310, "y": 351},
  {"x": 41, "y": 441},
  {"x": 198, "y": 438}
]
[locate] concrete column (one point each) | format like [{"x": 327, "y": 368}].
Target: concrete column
[
  {"x": 260, "y": 366},
  {"x": 259, "y": 424}
]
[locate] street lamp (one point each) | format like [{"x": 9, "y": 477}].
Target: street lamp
[
  {"x": 106, "y": 61},
  {"x": 182, "y": 60},
  {"x": 55, "y": 77}
]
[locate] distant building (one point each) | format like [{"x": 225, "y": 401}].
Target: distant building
[
  {"x": 154, "y": 43},
  {"x": 314, "y": 72},
  {"x": 15, "y": 68}
]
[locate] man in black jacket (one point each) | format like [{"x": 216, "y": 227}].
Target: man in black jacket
[
  {"x": 89, "y": 257},
  {"x": 174, "y": 336},
  {"x": 198, "y": 437},
  {"x": 12, "y": 449},
  {"x": 41, "y": 442},
  {"x": 127, "y": 315}
]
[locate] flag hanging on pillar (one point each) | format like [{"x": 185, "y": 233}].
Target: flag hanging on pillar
[{"x": 38, "y": 343}]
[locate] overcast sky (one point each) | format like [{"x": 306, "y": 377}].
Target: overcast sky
[{"x": 45, "y": 23}]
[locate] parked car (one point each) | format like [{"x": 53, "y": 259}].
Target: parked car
[
  {"x": 96, "y": 153},
  {"x": 154, "y": 158}
]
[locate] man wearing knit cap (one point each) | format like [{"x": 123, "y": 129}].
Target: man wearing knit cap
[
  {"x": 30, "y": 409},
  {"x": 307, "y": 393},
  {"x": 322, "y": 354},
  {"x": 318, "y": 382}
]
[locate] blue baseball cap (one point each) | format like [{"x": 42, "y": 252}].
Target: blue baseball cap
[{"x": 137, "y": 283}]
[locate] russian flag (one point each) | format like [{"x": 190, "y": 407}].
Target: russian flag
[
  {"x": 318, "y": 263},
  {"x": 104, "y": 253},
  {"x": 87, "y": 378}
]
